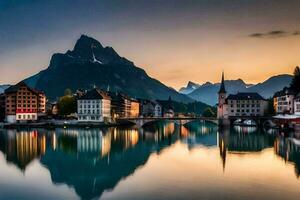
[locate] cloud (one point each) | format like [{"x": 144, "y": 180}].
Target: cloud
[{"x": 275, "y": 34}]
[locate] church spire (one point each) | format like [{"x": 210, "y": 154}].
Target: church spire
[{"x": 222, "y": 87}]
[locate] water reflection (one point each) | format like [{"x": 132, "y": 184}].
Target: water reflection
[
  {"x": 95, "y": 160},
  {"x": 289, "y": 150}
]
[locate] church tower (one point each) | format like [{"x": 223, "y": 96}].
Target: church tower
[{"x": 222, "y": 100}]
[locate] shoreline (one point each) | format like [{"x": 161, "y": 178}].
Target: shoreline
[{"x": 51, "y": 125}]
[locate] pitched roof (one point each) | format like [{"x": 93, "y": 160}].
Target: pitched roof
[
  {"x": 118, "y": 95},
  {"x": 245, "y": 96},
  {"x": 94, "y": 94},
  {"x": 15, "y": 88}
]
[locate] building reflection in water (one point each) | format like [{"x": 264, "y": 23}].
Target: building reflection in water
[
  {"x": 201, "y": 134},
  {"x": 289, "y": 150},
  {"x": 242, "y": 141},
  {"x": 94, "y": 160},
  {"x": 20, "y": 148}
]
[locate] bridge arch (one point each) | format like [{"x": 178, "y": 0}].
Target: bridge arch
[{"x": 141, "y": 122}]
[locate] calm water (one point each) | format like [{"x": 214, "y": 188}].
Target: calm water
[{"x": 162, "y": 161}]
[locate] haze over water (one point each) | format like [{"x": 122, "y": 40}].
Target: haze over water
[{"x": 162, "y": 161}]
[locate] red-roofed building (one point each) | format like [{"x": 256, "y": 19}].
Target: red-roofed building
[{"x": 23, "y": 103}]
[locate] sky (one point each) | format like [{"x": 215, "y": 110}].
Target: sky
[{"x": 175, "y": 41}]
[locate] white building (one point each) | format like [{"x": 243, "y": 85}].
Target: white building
[
  {"x": 150, "y": 108},
  {"x": 157, "y": 110},
  {"x": 297, "y": 105},
  {"x": 246, "y": 104},
  {"x": 284, "y": 101},
  {"x": 240, "y": 104},
  {"x": 94, "y": 106}
]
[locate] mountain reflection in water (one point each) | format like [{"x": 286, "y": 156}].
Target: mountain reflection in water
[{"x": 95, "y": 160}]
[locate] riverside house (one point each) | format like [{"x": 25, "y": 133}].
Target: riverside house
[
  {"x": 94, "y": 106},
  {"x": 284, "y": 101},
  {"x": 240, "y": 104},
  {"x": 23, "y": 103}
]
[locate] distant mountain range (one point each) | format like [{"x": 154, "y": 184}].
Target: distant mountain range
[
  {"x": 191, "y": 86},
  {"x": 88, "y": 64},
  {"x": 3, "y": 87},
  {"x": 207, "y": 92}
]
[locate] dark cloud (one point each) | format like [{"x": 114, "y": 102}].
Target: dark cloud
[{"x": 275, "y": 34}]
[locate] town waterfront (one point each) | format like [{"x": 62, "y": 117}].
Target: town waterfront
[{"x": 160, "y": 161}]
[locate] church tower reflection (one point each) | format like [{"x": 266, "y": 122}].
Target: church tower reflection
[{"x": 223, "y": 140}]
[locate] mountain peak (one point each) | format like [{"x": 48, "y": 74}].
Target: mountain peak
[
  {"x": 192, "y": 84},
  {"x": 86, "y": 42},
  {"x": 85, "y": 47}
]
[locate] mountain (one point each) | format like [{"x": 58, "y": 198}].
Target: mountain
[
  {"x": 191, "y": 86},
  {"x": 272, "y": 85},
  {"x": 3, "y": 87},
  {"x": 89, "y": 63},
  {"x": 207, "y": 92}
]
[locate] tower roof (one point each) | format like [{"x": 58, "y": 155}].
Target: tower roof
[{"x": 222, "y": 87}]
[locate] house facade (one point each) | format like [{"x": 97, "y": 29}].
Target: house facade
[
  {"x": 120, "y": 105},
  {"x": 240, "y": 104},
  {"x": 2, "y": 107},
  {"x": 134, "y": 108},
  {"x": 246, "y": 104},
  {"x": 168, "y": 109},
  {"x": 150, "y": 108},
  {"x": 23, "y": 103},
  {"x": 284, "y": 101},
  {"x": 94, "y": 106},
  {"x": 297, "y": 105}
]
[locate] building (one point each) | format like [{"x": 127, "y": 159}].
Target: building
[
  {"x": 23, "y": 103},
  {"x": 157, "y": 109},
  {"x": 2, "y": 107},
  {"x": 240, "y": 104},
  {"x": 222, "y": 106},
  {"x": 52, "y": 108},
  {"x": 168, "y": 109},
  {"x": 297, "y": 105},
  {"x": 120, "y": 105},
  {"x": 150, "y": 108},
  {"x": 284, "y": 101},
  {"x": 41, "y": 104},
  {"x": 134, "y": 108},
  {"x": 246, "y": 104},
  {"x": 94, "y": 106}
]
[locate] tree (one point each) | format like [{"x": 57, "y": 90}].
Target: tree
[
  {"x": 68, "y": 92},
  {"x": 67, "y": 105},
  {"x": 295, "y": 84},
  {"x": 271, "y": 110},
  {"x": 208, "y": 112}
]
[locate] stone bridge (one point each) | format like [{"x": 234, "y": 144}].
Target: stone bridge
[{"x": 143, "y": 121}]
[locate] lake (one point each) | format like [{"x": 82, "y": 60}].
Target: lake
[{"x": 161, "y": 161}]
